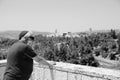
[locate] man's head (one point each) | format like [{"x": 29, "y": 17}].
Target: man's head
[
  {"x": 22, "y": 34},
  {"x": 26, "y": 36}
]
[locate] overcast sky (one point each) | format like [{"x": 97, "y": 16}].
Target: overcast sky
[{"x": 64, "y": 15}]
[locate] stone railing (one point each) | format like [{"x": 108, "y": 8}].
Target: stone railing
[{"x": 66, "y": 71}]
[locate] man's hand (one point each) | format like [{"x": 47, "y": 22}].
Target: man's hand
[{"x": 51, "y": 65}]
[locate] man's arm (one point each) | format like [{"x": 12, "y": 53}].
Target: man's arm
[
  {"x": 30, "y": 53},
  {"x": 41, "y": 60}
]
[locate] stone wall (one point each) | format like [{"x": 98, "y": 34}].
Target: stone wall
[{"x": 66, "y": 71}]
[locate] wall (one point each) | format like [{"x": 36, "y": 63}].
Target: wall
[{"x": 66, "y": 71}]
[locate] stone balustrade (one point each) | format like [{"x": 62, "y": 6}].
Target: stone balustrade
[{"x": 66, "y": 71}]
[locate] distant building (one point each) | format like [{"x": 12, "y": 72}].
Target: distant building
[{"x": 90, "y": 29}]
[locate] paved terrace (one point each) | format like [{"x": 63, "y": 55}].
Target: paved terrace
[{"x": 66, "y": 71}]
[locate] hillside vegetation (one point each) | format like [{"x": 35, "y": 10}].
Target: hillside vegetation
[
  {"x": 77, "y": 50},
  {"x": 14, "y": 34}
]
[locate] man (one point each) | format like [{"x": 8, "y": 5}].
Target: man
[{"x": 20, "y": 58}]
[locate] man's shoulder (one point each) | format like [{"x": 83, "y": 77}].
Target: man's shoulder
[{"x": 19, "y": 45}]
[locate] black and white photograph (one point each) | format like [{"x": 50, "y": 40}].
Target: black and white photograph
[{"x": 59, "y": 39}]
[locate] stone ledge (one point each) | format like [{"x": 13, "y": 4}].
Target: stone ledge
[
  {"x": 87, "y": 70},
  {"x": 101, "y": 73}
]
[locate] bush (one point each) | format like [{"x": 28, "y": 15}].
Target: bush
[{"x": 78, "y": 50}]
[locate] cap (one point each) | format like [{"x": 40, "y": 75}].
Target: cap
[
  {"x": 22, "y": 34},
  {"x": 26, "y": 34}
]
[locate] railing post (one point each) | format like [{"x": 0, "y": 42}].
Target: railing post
[{"x": 67, "y": 75}]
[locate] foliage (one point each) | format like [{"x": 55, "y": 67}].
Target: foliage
[{"x": 77, "y": 50}]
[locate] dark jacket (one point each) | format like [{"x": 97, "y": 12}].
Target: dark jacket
[{"x": 19, "y": 61}]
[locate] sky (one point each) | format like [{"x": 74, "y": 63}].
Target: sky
[{"x": 63, "y": 15}]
